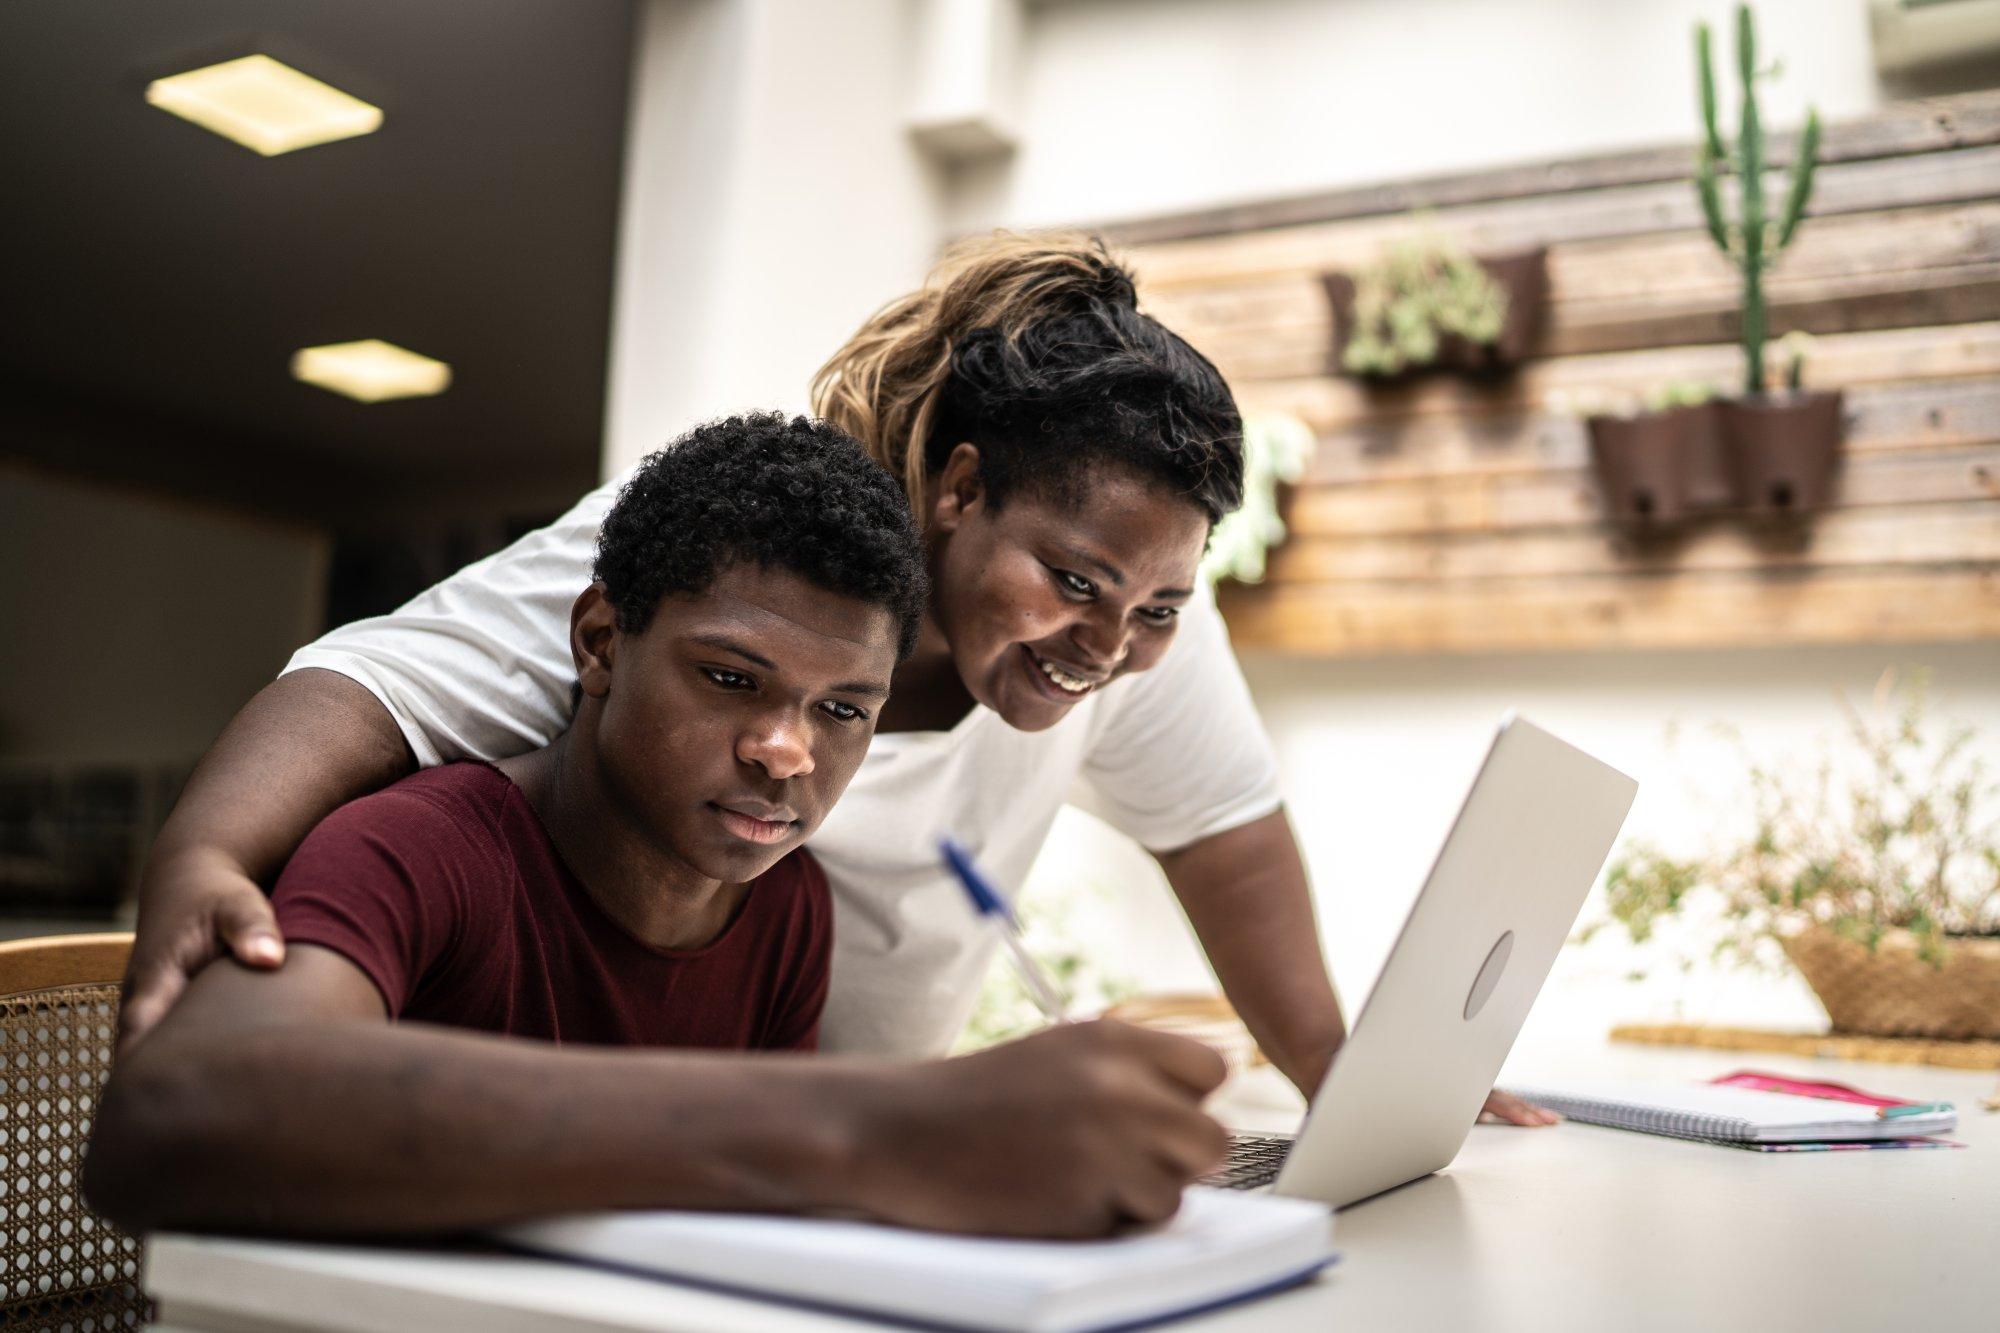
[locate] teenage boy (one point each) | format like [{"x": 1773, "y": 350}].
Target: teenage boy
[{"x": 488, "y": 960}]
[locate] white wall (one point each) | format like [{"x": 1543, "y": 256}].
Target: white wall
[
  {"x": 772, "y": 200},
  {"x": 1131, "y": 107},
  {"x": 136, "y": 627}
]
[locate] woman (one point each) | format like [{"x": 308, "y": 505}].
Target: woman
[{"x": 1067, "y": 457}]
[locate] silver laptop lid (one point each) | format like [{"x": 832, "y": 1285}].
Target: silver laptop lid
[{"x": 1500, "y": 900}]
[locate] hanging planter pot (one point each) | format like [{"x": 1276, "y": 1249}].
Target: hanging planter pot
[
  {"x": 1525, "y": 279},
  {"x": 1781, "y": 448},
  {"x": 1652, "y": 465},
  {"x": 1522, "y": 281}
]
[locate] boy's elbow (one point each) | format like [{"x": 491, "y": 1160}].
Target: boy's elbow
[{"x": 148, "y": 1128}]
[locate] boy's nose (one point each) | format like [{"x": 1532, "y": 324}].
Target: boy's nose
[{"x": 779, "y": 747}]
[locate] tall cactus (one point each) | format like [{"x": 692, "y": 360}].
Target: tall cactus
[{"x": 1755, "y": 241}]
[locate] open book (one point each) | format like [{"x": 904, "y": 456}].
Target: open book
[
  {"x": 1734, "y": 1114},
  {"x": 1223, "y": 1246}
]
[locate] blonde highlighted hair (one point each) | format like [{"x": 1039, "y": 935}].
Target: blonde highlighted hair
[{"x": 1010, "y": 330}]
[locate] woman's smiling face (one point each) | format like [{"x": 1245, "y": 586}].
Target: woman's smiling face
[{"x": 1044, "y": 602}]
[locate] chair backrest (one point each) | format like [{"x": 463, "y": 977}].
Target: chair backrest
[{"x": 61, "y": 1267}]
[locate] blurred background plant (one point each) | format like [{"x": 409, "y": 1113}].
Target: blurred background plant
[
  {"x": 1893, "y": 824},
  {"x": 1678, "y": 393},
  {"x": 1276, "y": 449},
  {"x": 1586, "y": 401},
  {"x": 1419, "y": 290},
  {"x": 1795, "y": 347},
  {"x": 1058, "y": 930},
  {"x": 1753, "y": 239}
]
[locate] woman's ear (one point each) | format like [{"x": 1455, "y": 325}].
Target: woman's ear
[
  {"x": 593, "y": 636},
  {"x": 958, "y": 491}
]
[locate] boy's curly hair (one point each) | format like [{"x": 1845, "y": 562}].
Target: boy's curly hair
[{"x": 783, "y": 493}]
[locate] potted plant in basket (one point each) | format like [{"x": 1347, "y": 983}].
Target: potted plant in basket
[
  {"x": 1875, "y": 871},
  {"x": 1426, "y": 304},
  {"x": 1781, "y": 445}
]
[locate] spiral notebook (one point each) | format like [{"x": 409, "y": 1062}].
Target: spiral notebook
[
  {"x": 1746, "y": 1116},
  {"x": 1221, "y": 1247}
]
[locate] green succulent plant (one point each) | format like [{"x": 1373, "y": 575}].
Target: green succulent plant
[
  {"x": 1678, "y": 393},
  {"x": 1418, "y": 291}
]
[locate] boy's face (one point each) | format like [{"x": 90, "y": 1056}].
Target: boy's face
[{"x": 731, "y": 724}]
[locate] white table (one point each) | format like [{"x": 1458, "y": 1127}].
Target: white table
[{"x": 1566, "y": 1228}]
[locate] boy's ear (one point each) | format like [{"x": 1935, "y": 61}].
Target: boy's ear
[
  {"x": 958, "y": 491},
  {"x": 593, "y": 636}
]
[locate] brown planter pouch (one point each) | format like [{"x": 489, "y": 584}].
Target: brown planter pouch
[
  {"x": 1649, "y": 465},
  {"x": 1782, "y": 448},
  {"x": 1525, "y": 279}
]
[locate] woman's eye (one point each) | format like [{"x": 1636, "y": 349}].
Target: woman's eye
[
  {"x": 1075, "y": 583},
  {"x": 728, "y": 680},
  {"x": 844, "y": 712},
  {"x": 1159, "y": 615}
]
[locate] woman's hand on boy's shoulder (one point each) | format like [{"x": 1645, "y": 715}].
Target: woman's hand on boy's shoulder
[
  {"x": 193, "y": 909},
  {"x": 1071, "y": 1132}
]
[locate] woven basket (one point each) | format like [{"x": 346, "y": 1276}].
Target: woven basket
[{"x": 1891, "y": 992}]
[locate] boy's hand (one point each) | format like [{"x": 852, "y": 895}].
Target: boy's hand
[
  {"x": 1070, "y": 1132},
  {"x": 193, "y": 909}
]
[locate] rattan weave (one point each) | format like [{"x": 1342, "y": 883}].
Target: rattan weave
[{"x": 65, "y": 1270}]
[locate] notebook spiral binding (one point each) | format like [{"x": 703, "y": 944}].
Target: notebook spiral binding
[{"x": 1651, "y": 1120}]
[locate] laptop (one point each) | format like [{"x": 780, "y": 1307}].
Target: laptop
[{"x": 1404, "y": 1089}]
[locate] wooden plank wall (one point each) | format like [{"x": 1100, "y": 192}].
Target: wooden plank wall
[{"x": 1447, "y": 516}]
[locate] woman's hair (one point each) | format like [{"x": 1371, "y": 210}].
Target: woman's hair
[{"x": 1033, "y": 348}]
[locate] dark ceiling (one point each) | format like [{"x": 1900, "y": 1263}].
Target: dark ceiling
[{"x": 155, "y": 278}]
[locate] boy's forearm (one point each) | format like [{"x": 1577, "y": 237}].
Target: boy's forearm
[{"x": 358, "y": 1128}]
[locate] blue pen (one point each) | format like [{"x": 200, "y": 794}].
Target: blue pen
[{"x": 991, "y": 906}]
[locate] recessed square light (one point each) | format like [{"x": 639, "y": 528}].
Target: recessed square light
[
  {"x": 264, "y": 104},
  {"x": 371, "y": 371}
]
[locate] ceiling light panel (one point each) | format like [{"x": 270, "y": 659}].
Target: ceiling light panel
[
  {"x": 264, "y": 104},
  {"x": 371, "y": 371}
]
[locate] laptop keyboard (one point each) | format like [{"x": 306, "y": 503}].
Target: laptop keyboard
[{"x": 1254, "y": 1161}]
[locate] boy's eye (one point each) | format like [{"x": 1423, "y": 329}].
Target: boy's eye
[
  {"x": 1159, "y": 615},
  {"x": 844, "y": 712},
  {"x": 729, "y": 680},
  {"x": 1074, "y": 583}
]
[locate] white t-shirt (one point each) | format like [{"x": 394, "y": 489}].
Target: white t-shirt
[{"x": 479, "y": 667}]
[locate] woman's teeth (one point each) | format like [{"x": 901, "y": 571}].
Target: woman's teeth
[{"x": 1064, "y": 681}]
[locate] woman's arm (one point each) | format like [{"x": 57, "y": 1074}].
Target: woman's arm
[
  {"x": 283, "y": 1102},
  {"x": 1246, "y": 895},
  {"x": 307, "y": 743}
]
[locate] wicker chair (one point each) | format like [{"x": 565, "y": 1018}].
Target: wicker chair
[{"x": 65, "y": 1270}]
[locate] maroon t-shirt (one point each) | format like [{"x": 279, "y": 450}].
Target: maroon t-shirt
[{"x": 446, "y": 890}]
